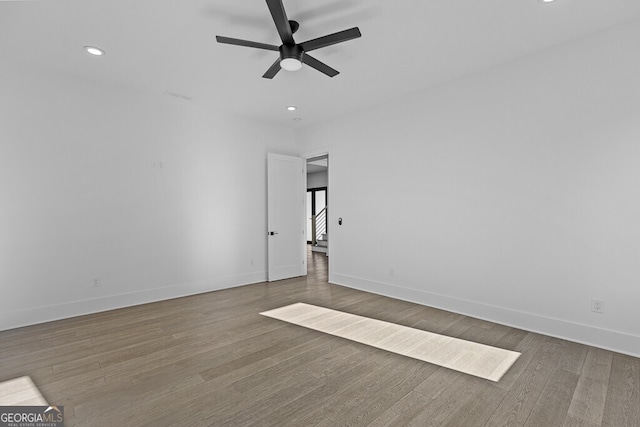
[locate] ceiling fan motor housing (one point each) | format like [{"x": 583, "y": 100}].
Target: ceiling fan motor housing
[{"x": 293, "y": 52}]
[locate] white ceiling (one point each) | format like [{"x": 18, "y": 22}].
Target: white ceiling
[{"x": 160, "y": 47}]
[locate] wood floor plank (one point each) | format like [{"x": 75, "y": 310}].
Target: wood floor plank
[
  {"x": 479, "y": 407},
  {"x": 573, "y": 357},
  {"x": 394, "y": 382},
  {"x": 517, "y": 405},
  {"x": 572, "y": 421},
  {"x": 591, "y": 392},
  {"x": 448, "y": 405},
  {"x": 528, "y": 348},
  {"x": 299, "y": 396},
  {"x": 334, "y": 395},
  {"x": 307, "y": 408},
  {"x": 552, "y": 406},
  {"x": 622, "y": 406},
  {"x": 402, "y": 411}
]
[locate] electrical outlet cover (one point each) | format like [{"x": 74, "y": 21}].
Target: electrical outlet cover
[{"x": 597, "y": 306}]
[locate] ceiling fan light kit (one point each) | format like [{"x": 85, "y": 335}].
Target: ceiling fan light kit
[
  {"x": 290, "y": 64},
  {"x": 292, "y": 54}
]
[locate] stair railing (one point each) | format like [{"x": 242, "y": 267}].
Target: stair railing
[{"x": 318, "y": 225}]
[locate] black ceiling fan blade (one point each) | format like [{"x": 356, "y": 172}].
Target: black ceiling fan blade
[
  {"x": 246, "y": 43},
  {"x": 273, "y": 70},
  {"x": 320, "y": 66},
  {"x": 282, "y": 23},
  {"x": 339, "y": 37}
]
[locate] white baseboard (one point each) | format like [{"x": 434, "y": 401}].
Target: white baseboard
[
  {"x": 50, "y": 313},
  {"x": 620, "y": 342}
]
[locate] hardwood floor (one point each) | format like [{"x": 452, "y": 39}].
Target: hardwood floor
[{"x": 211, "y": 359}]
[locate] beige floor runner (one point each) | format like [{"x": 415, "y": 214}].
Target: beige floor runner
[
  {"x": 20, "y": 392},
  {"x": 464, "y": 356}
]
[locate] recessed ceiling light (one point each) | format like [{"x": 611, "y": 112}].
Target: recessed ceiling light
[
  {"x": 547, "y": 1},
  {"x": 94, "y": 50},
  {"x": 292, "y": 108},
  {"x": 297, "y": 119}
]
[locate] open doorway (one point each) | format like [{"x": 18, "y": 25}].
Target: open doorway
[
  {"x": 317, "y": 218},
  {"x": 317, "y": 204}
]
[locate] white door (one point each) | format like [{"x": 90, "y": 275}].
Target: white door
[{"x": 286, "y": 195}]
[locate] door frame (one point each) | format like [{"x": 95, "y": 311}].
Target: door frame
[{"x": 322, "y": 151}]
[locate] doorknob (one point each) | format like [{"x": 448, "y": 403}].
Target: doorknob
[{"x": 271, "y": 233}]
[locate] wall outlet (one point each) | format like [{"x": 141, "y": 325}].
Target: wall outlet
[
  {"x": 597, "y": 306},
  {"x": 391, "y": 272},
  {"x": 97, "y": 282}
]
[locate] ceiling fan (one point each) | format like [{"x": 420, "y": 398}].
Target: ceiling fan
[{"x": 292, "y": 54}]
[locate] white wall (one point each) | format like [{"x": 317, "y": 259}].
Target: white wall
[
  {"x": 511, "y": 195},
  {"x": 79, "y": 198},
  {"x": 317, "y": 180}
]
